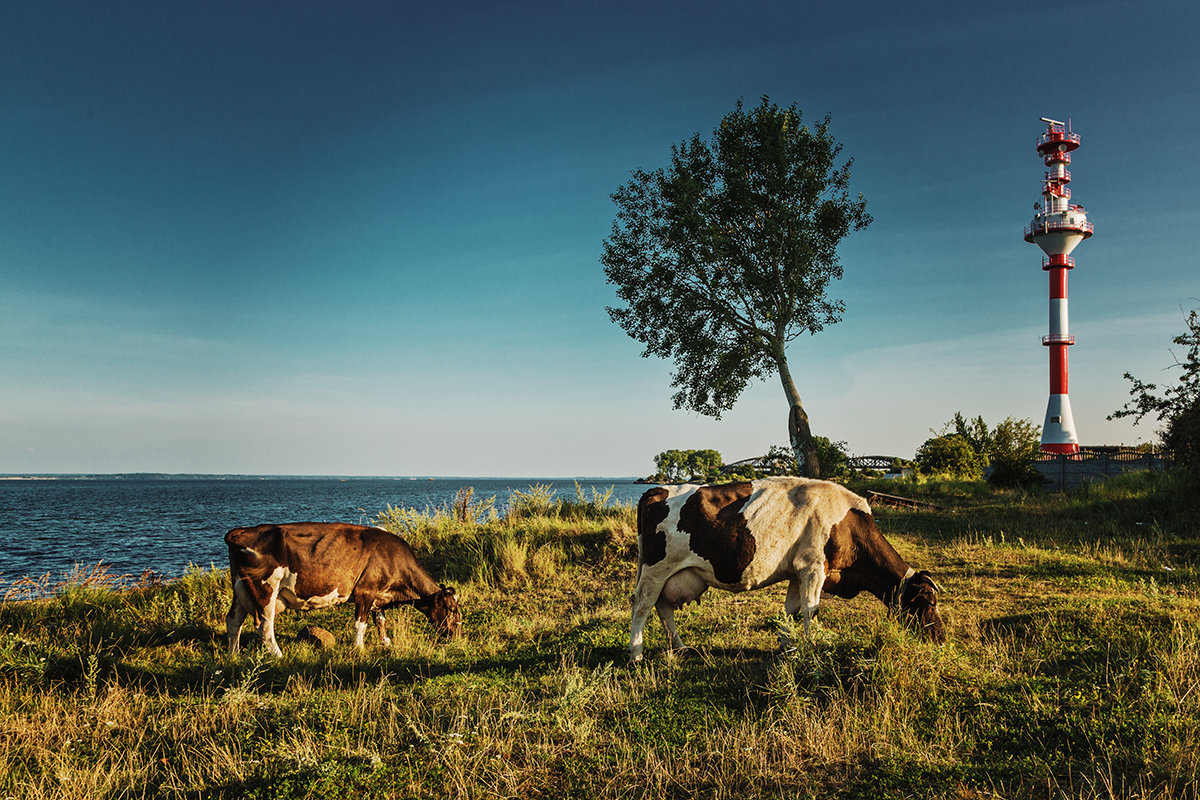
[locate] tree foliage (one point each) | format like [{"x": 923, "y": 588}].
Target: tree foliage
[
  {"x": 833, "y": 457},
  {"x": 676, "y": 466},
  {"x": 1177, "y": 408},
  {"x": 951, "y": 455},
  {"x": 963, "y": 448},
  {"x": 724, "y": 257}
]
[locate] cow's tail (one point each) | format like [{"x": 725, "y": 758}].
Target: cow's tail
[{"x": 638, "y": 525}]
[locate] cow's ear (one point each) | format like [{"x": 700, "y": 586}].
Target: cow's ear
[
  {"x": 932, "y": 582},
  {"x": 448, "y": 590}
]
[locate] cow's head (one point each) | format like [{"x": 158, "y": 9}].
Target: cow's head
[
  {"x": 918, "y": 605},
  {"x": 442, "y": 609}
]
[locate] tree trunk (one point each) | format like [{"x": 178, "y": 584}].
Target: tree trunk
[
  {"x": 799, "y": 433},
  {"x": 800, "y": 436}
]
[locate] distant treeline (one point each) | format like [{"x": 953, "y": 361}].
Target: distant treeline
[{"x": 708, "y": 466}]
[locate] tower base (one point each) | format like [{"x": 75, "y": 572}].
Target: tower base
[{"x": 1058, "y": 431}]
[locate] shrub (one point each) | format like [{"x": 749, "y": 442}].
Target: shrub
[
  {"x": 1183, "y": 437},
  {"x": 1013, "y": 445},
  {"x": 471, "y": 511},
  {"x": 1178, "y": 407},
  {"x": 835, "y": 463},
  {"x": 951, "y": 455},
  {"x": 832, "y": 457},
  {"x": 537, "y": 501}
]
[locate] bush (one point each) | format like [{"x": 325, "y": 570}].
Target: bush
[
  {"x": 1009, "y": 449},
  {"x": 1178, "y": 407},
  {"x": 1013, "y": 445},
  {"x": 832, "y": 456},
  {"x": 835, "y": 463},
  {"x": 950, "y": 455},
  {"x": 1183, "y": 437}
]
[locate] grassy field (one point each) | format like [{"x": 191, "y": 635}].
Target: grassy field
[{"x": 1072, "y": 671}]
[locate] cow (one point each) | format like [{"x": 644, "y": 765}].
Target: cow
[
  {"x": 818, "y": 536},
  {"x": 311, "y": 565}
]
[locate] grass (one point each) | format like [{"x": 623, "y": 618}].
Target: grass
[{"x": 1072, "y": 671}]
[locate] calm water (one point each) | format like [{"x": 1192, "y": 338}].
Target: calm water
[{"x": 167, "y": 524}]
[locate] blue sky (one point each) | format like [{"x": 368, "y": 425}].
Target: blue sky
[{"x": 363, "y": 238}]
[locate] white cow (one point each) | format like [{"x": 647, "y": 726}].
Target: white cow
[{"x": 818, "y": 536}]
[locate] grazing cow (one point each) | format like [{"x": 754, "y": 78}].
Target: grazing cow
[
  {"x": 309, "y": 565},
  {"x": 817, "y": 535}
]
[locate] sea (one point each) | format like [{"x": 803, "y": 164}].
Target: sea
[{"x": 54, "y": 526}]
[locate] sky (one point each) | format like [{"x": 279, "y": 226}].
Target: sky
[{"x": 363, "y": 238}]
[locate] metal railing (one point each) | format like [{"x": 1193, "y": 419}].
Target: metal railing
[
  {"x": 1049, "y": 226},
  {"x": 1069, "y": 470},
  {"x": 1058, "y": 135}
]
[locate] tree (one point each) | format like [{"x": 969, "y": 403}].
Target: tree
[
  {"x": 724, "y": 257},
  {"x": 1008, "y": 448},
  {"x": 835, "y": 462},
  {"x": 674, "y": 466},
  {"x": 1013, "y": 445},
  {"x": 1178, "y": 407},
  {"x": 951, "y": 455}
]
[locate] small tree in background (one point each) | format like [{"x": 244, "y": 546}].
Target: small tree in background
[
  {"x": 835, "y": 463},
  {"x": 676, "y": 466},
  {"x": 1178, "y": 407},
  {"x": 1183, "y": 437},
  {"x": 1008, "y": 449},
  {"x": 951, "y": 455},
  {"x": 780, "y": 461},
  {"x": 1014, "y": 444}
]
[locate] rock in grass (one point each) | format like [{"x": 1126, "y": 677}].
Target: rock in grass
[{"x": 319, "y": 637}]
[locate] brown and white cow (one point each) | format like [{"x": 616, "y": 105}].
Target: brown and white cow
[
  {"x": 818, "y": 536},
  {"x": 310, "y": 565}
]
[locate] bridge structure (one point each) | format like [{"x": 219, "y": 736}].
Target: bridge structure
[
  {"x": 858, "y": 463},
  {"x": 882, "y": 463}
]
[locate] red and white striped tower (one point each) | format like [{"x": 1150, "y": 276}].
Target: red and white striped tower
[{"x": 1057, "y": 227}]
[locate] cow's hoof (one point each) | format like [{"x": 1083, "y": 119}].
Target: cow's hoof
[
  {"x": 684, "y": 652},
  {"x": 634, "y": 660}
]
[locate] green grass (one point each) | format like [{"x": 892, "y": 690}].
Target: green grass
[{"x": 1072, "y": 671}]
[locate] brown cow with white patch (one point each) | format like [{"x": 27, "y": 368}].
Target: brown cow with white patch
[
  {"x": 818, "y": 536},
  {"x": 310, "y": 565}
]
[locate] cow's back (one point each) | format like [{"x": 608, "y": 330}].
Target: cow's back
[
  {"x": 324, "y": 557},
  {"x": 750, "y": 533}
]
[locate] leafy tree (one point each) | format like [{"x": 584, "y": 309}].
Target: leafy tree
[
  {"x": 1183, "y": 437},
  {"x": 780, "y": 460},
  {"x": 1013, "y": 445},
  {"x": 674, "y": 466},
  {"x": 724, "y": 257},
  {"x": 975, "y": 431},
  {"x": 952, "y": 455},
  {"x": 835, "y": 462},
  {"x": 704, "y": 463},
  {"x": 1008, "y": 448},
  {"x": 1178, "y": 407}
]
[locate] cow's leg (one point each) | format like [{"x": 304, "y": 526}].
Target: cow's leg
[
  {"x": 645, "y": 596},
  {"x": 803, "y": 596},
  {"x": 381, "y": 626},
  {"x": 267, "y": 628},
  {"x": 666, "y": 613},
  {"x": 362, "y": 613},
  {"x": 236, "y": 616}
]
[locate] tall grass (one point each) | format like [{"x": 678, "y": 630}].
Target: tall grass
[{"x": 1072, "y": 671}]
